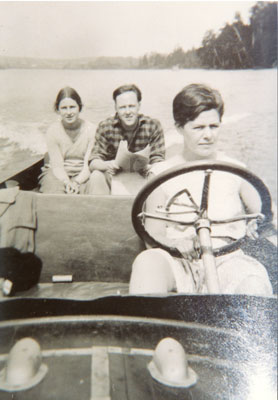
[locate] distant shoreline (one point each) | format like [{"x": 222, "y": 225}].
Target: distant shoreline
[
  {"x": 236, "y": 46},
  {"x": 106, "y": 68}
]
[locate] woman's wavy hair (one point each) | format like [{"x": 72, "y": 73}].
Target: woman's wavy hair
[
  {"x": 70, "y": 93},
  {"x": 192, "y": 100}
]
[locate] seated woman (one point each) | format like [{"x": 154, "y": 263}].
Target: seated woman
[
  {"x": 69, "y": 142},
  {"x": 198, "y": 111}
]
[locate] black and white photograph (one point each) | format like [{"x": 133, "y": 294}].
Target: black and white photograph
[{"x": 138, "y": 200}]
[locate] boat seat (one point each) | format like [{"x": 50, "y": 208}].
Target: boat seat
[{"x": 89, "y": 237}]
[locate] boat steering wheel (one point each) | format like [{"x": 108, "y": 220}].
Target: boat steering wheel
[{"x": 202, "y": 219}]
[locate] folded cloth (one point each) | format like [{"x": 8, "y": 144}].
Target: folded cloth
[
  {"x": 18, "y": 219},
  {"x": 7, "y": 197}
]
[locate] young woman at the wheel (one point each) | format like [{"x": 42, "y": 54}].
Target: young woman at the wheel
[{"x": 198, "y": 111}]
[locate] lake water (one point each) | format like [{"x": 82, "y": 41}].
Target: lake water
[{"x": 250, "y": 119}]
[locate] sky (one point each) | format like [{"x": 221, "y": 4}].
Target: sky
[{"x": 76, "y": 29}]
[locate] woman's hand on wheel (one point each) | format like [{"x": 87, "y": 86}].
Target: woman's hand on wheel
[{"x": 251, "y": 229}]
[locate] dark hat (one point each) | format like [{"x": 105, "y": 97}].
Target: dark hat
[{"x": 22, "y": 269}]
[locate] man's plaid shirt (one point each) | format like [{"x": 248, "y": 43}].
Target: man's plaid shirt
[{"x": 110, "y": 132}]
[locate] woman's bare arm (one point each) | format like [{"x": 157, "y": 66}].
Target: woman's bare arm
[{"x": 56, "y": 158}]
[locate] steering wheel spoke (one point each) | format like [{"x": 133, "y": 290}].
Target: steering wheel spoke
[
  {"x": 174, "y": 200},
  {"x": 246, "y": 217},
  {"x": 205, "y": 194},
  {"x": 144, "y": 215},
  {"x": 166, "y": 214}
]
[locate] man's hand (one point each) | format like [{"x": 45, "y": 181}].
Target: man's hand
[
  {"x": 112, "y": 167},
  {"x": 145, "y": 171}
]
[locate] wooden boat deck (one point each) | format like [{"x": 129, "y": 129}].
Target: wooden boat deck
[
  {"x": 75, "y": 290},
  {"x": 225, "y": 337},
  {"x": 125, "y": 377}
]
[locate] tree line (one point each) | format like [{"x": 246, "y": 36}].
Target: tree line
[{"x": 235, "y": 46}]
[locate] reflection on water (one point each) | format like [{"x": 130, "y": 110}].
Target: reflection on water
[{"x": 249, "y": 125}]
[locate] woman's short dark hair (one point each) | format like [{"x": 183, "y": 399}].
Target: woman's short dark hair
[
  {"x": 194, "y": 99},
  {"x": 69, "y": 93},
  {"x": 127, "y": 88}
]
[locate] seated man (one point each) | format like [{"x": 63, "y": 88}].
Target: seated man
[
  {"x": 127, "y": 125},
  {"x": 198, "y": 111}
]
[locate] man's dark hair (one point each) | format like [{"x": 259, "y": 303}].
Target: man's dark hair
[
  {"x": 127, "y": 88},
  {"x": 192, "y": 100}
]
